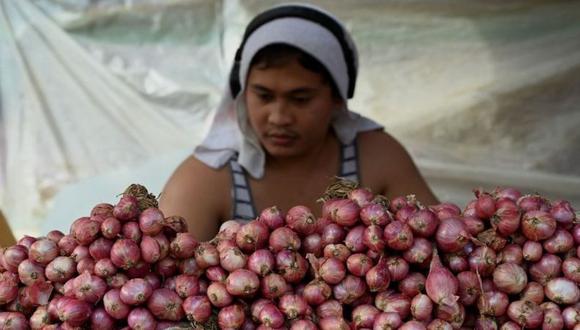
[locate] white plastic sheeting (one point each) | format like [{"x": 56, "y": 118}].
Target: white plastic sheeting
[{"x": 94, "y": 94}]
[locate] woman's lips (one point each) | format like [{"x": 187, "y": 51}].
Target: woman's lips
[{"x": 281, "y": 140}]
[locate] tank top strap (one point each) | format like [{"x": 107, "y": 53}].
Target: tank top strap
[
  {"x": 242, "y": 202},
  {"x": 349, "y": 161}
]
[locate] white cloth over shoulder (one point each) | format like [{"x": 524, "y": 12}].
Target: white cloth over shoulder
[{"x": 230, "y": 132}]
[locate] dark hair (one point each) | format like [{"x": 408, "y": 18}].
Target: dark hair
[{"x": 276, "y": 55}]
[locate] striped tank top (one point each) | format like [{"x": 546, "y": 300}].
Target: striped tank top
[{"x": 242, "y": 202}]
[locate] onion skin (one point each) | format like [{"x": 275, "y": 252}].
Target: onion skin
[
  {"x": 441, "y": 285},
  {"x": 525, "y": 313},
  {"x": 510, "y": 278},
  {"x": 562, "y": 291},
  {"x": 538, "y": 225}
]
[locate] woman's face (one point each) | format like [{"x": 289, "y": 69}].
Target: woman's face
[{"x": 289, "y": 108}]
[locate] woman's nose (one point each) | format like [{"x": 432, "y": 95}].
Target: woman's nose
[{"x": 280, "y": 114}]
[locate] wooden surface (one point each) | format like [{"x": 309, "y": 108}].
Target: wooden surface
[{"x": 6, "y": 237}]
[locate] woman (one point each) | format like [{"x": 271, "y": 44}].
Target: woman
[{"x": 283, "y": 129}]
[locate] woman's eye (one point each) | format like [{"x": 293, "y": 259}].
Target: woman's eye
[{"x": 265, "y": 97}]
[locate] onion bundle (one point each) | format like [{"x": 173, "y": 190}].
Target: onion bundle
[{"x": 505, "y": 261}]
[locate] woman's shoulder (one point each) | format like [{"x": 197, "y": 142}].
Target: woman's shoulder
[
  {"x": 195, "y": 179},
  {"x": 380, "y": 144}
]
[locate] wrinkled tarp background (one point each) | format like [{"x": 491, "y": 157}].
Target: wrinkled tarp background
[{"x": 95, "y": 95}]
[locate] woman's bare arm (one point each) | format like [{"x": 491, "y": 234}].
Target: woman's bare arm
[{"x": 199, "y": 194}]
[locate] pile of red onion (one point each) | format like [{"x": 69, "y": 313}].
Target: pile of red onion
[{"x": 506, "y": 261}]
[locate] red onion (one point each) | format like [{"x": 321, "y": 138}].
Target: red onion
[
  {"x": 538, "y": 225},
  {"x": 111, "y": 228},
  {"x": 114, "y": 306},
  {"x": 102, "y": 209},
  {"x": 439, "y": 324},
  {"x": 421, "y": 307},
  {"x": 375, "y": 214},
  {"x": 165, "y": 305},
  {"x": 150, "y": 250},
  {"x": 292, "y": 305},
  {"x": 441, "y": 285},
  {"x": 300, "y": 219},
  {"x": 125, "y": 253},
  {"x": 55, "y": 235},
  {"x": 316, "y": 292},
  {"x": 101, "y": 320},
  {"x": 228, "y": 230},
  {"x": 405, "y": 213},
  {"x": 525, "y": 313},
  {"x": 135, "y": 292},
  {"x": 329, "y": 308},
  {"x": 506, "y": 220},
  {"x": 562, "y": 212},
  {"x": 485, "y": 205},
  {"x": 30, "y": 272},
  {"x": 511, "y": 253},
  {"x": 354, "y": 239},
  {"x": 232, "y": 259},
  {"x": 197, "y": 308},
  {"x": 35, "y": 295},
  {"x": 166, "y": 267},
  {"x": 474, "y": 226},
  {"x": 332, "y": 271},
  {"x": 387, "y": 321},
  {"x": 100, "y": 248},
  {"x": 8, "y": 287},
  {"x": 332, "y": 234},
  {"x": 344, "y": 212},
  {"x": 560, "y": 242},
  {"x": 510, "y": 325},
  {"x": 261, "y": 262},
  {"x": 378, "y": 277},
  {"x": 174, "y": 224},
  {"x": 339, "y": 251},
  {"x": 183, "y": 246},
  {"x": 131, "y": 230},
  {"x": 493, "y": 303},
  {"x": 532, "y": 251},
  {"x": 60, "y": 270},
  {"x": 390, "y": 301},
  {"x": 359, "y": 264},
  {"x": 257, "y": 306},
  {"x": 457, "y": 262},
  {"x": 43, "y": 251},
  {"x": 571, "y": 316},
  {"x": 412, "y": 285},
  {"x": 510, "y": 278},
  {"x": 127, "y": 208},
  {"x": 362, "y": 196},
  {"x": 273, "y": 286},
  {"x": 151, "y": 221},
  {"x": 291, "y": 265},
  {"x": 363, "y": 316},
  {"x": 169, "y": 283},
  {"x": 562, "y": 291},
  {"x": 553, "y": 320},
  {"x": 215, "y": 274},
  {"x": 206, "y": 255},
  {"x": 252, "y": 236},
  {"x": 163, "y": 245},
  {"x": 271, "y": 316},
  {"x": 571, "y": 269},
  {"x": 26, "y": 241},
  {"x": 469, "y": 289},
  {"x": 284, "y": 238},
  {"x": 153, "y": 280},
  {"x": 218, "y": 294},
  {"x": 451, "y": 235},
  {"x": 89, "y": 288},
  {"x": 453, "y": 313},
  {"x": 446, "y": 210},
  {"x": 398, "y": 268},
  {"x": 546, "y": 269},
  {"x": 419, "y": 252},
  {"x": 13, "y": 256},
  {"x": 73, "y": 311},
  {"x": 533, "y": 292},
  {"x": 67, "y": 244},
  {"x": 231, "y": 317},
  {"x": 413, "y": 325},
  {"x": 313, "y": 244},
  {"x": 141, "y": 319},
  {"x": 242, "y": 282},
  {"x": 272, "y": 217},
  {"x": 189, "y": 267},
  {"x": 398, "y": 236},
  {"x": 303, "y": 325},
  {"x": 507, "y": 192},
  {"x": 423, "y": 223},
  {"x": 86, "y": 265},
  {"x": 373, "y": 238},
  {"x": 116, "y": 281},
  {"x": 13, "y": 320},
  {"x": 104, "y": 268}
]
